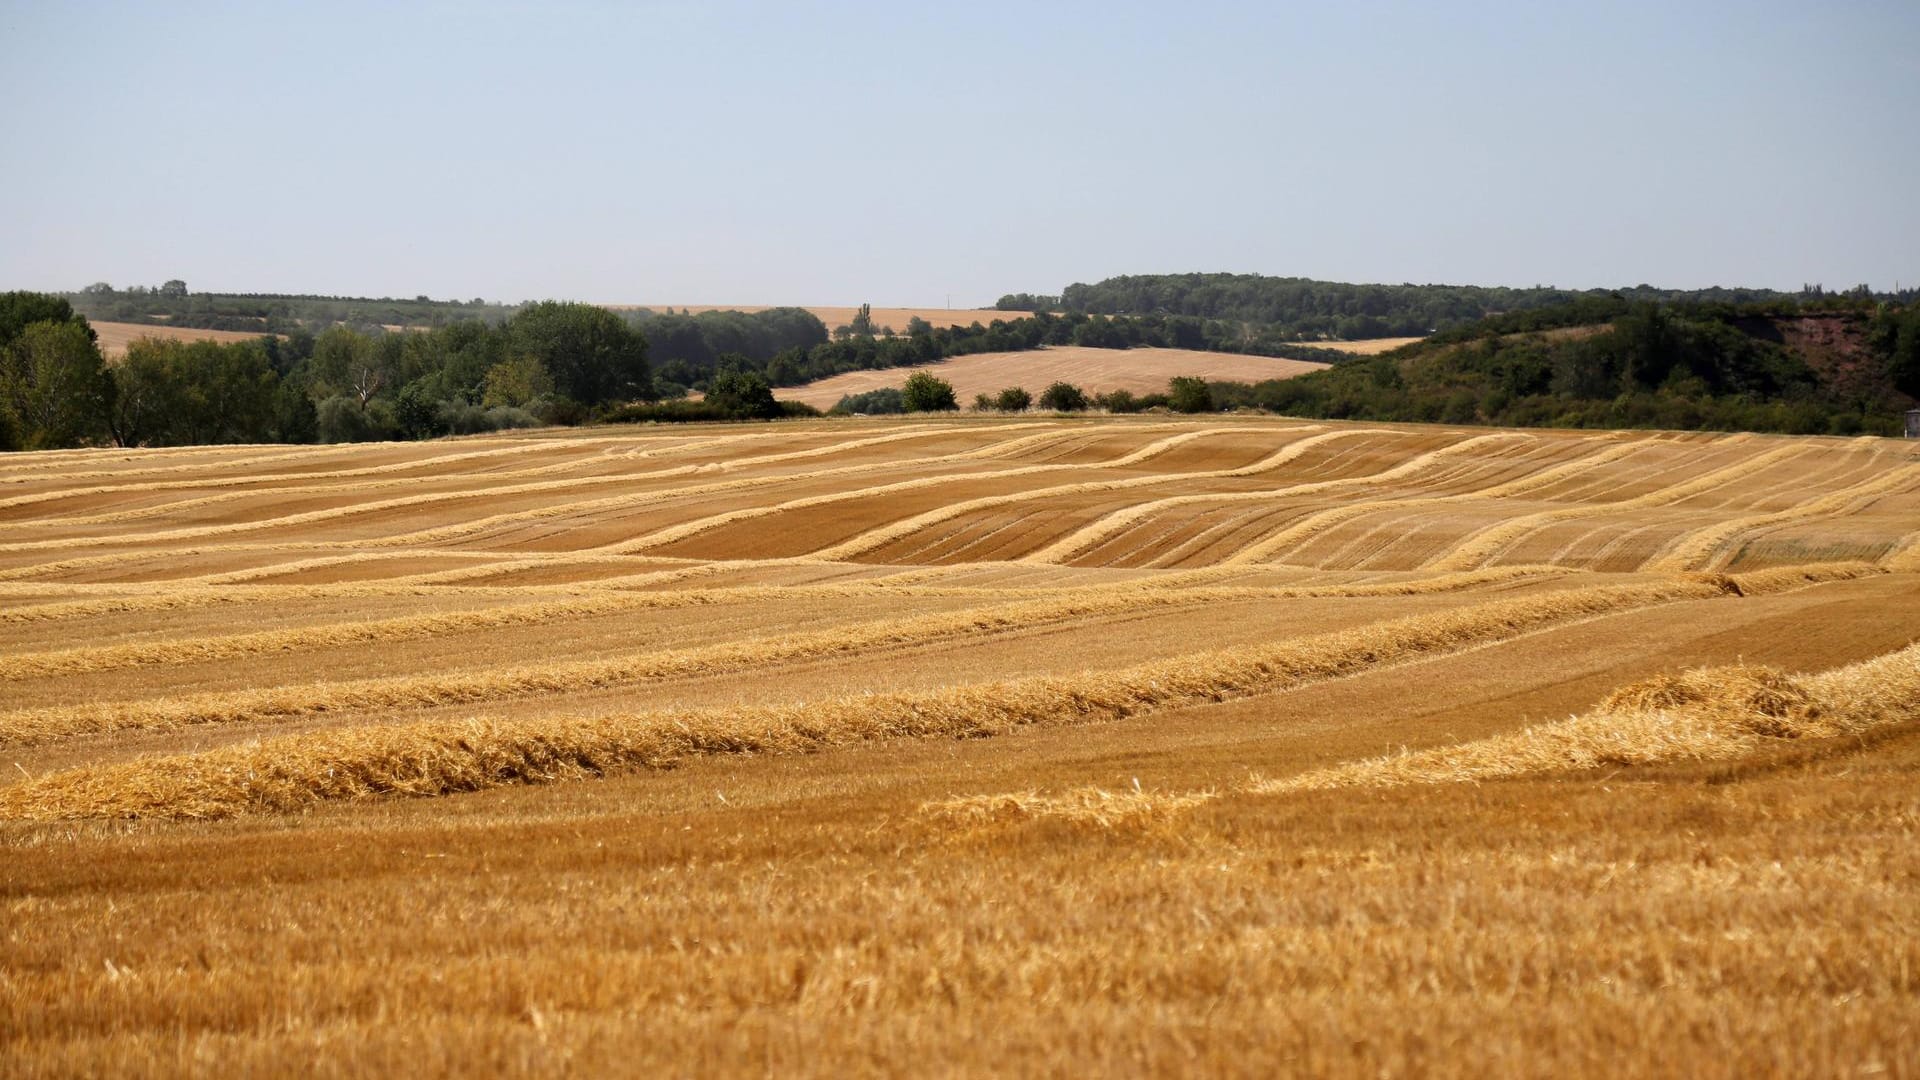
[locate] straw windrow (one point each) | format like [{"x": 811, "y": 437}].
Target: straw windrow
[{"x": 442, "y": 757}]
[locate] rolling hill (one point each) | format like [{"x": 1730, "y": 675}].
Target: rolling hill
[{"x": 1095, "y": 371}]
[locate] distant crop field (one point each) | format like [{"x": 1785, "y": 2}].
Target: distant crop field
[
  {"x": 1052, "y": 745},
  {"x": 1096, "y": 371},
  {"x": 895, "y": 318},
  {"x": 115, "y": 337},
  {"x": 1368, "y": 347}
]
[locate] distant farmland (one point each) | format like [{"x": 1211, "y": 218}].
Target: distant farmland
[
  {"x": 1096, "y": 371},
  {"x": 116, "y": 336},
  {"x": 895, "y": 318}
]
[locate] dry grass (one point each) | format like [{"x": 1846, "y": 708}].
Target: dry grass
[
  {"x": 439, "y": 757},
  {"x": 1081, "y": 808},
  {"x": 1709, "y": 714}
]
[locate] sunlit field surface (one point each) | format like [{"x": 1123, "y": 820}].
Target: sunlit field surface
[{"x": 964, "y": 745}]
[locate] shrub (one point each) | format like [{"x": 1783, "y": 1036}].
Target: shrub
[
  {"x": 925, "y": 393},
  {"x": 1186, "y": 394},
  {"x": 1013, "y": 399},
  {"x": 1118, "y": 401},
  {"x": 1063, "y": 397},
  {"x": 884, "y": 401}
]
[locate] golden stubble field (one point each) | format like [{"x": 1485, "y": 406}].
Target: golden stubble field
[
  {"x": 969, "y": 745},
  {"x": 1095, "y": 371},
  {"x": 114, "y": 337}
]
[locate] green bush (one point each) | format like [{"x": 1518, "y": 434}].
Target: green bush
[
  {"x": 925, "y": 393},
  {"x": 1063, "y": 397}
]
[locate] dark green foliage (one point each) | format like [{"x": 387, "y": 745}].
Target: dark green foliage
[
  {"x": 926, "y": 393},
  {"x": 983, "y": 403},
  {"x": 593, "y": 355},
  {"x": 1301, "y": 308},
  {"x": 885, "y": 401},
  {"x": 19, "y": 310},
  {"x": 54, "y": 386},
  {"x": 1027, "y": 302},
  {"x": 1013, "y": 399},
  {"x": 1649, "y": 366},
  {"x": 1186, "y": 394},
  {"x": 341, "y": 419},
  {"x": 743, "y": 396},
  {"x": 269, "y": 313},
  {"x": 1063, "y": 397}
]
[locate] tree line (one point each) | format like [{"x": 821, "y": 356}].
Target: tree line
[
  {"x": 1303, "y": 309},
  {"x": 550, "y": 363}
]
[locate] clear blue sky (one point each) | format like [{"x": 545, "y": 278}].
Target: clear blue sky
[{"x": 901, "y": 153}]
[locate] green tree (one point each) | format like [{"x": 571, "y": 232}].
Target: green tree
[
  {"x": 54, "y": 385},
  {"x": 1013, "y": 399},
  {"x": 1186, "y": 394},
  {"x": 926, "y": 393},
  {"x": 592, "y": 353},
  {"x": 1063, "y": 397},
  {"x": 743, "y": 394},
  {"x": 516, "y": 382}
]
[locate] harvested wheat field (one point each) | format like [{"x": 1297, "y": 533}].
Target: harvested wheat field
[
  {"x": 114, "y": 337},
  {"x": 1096, "y": 371},
  {"x": 964, "y": 745},
  {"x": 1365, "y": 346},
  {"x": 891, "y": 318}
]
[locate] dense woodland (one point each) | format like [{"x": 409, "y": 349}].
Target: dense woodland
[
  {"x": 1841, "y": 364},
  {"x": 1301, "y": 309},
  {"x": 1826, "y": 367}
]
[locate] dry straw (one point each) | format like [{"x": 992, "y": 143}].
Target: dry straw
[
  {"x": 1704, "y": 715},
  {"x": 414, "y": 501},
  {"x": 1697, "y": 549},
  {"x": 586, "y": 604},
  {"x": 900, "y": 530},
  {"x": 706, "y": 524},
  {"x": 1318, "y": 523},
  {"x": 440, "y": 757},
  {"x": 1477, "y": 549}
]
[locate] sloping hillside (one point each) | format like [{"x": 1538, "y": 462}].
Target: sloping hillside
[
  {"x": 1096, "y": 371},
  {"x": 1841, "y": 370}
]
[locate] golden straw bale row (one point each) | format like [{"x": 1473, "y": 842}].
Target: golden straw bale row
[
  {"x": 1698, "y": 548},
  {"x": 441, "y": 757},
  {"x": 1710, "y": 714},
  {"x": 585, "y": 604},
  {"x": 900, "y": 530},
  {"x": 1477, "y": 549},
  {"x": 1119, "y": 520}
]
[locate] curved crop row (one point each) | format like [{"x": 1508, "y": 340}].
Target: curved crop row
[
  {"x": 1315, "y": 524},
  {"x": 715, "y": 521},
  {"x": 898, "y": 530},
  {"x": 298, "y": 772},
  {"x": 1694, "y": 550},
  {"x": 1489, "y": 542},
  {"x": 410, "y": 501}
]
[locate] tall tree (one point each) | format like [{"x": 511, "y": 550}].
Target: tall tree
[
  {"x": 54, "y": 385},
  {"x": 591, "y": 352}
]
